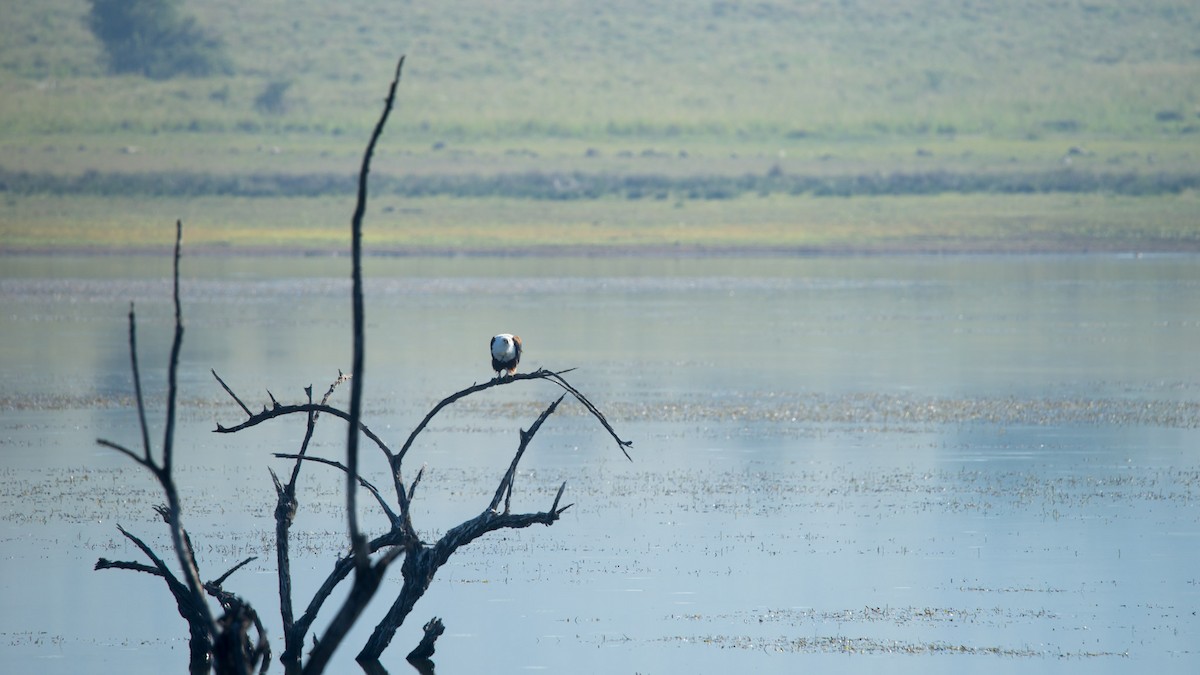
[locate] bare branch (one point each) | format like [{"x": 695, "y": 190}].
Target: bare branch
[
  {"x": 205, "y": 643},
  {"x": 284, "y": 410},
  {"x": 137, "y": 385},
  {"x": 275, "y": 480},
  {"x": 285, "y": 513},
  {"x": 190, "y": 574},
  {"x": 173, "y": 369},
  {"x": 221, "y": 579},
  {"x": 231, "y": 394},
  {"x": 312, "y": 425},
  {"x": 106, "y": 564},
  {"x": 416, "y": 481},
  {"x": 191, "y": 607},
  {"x": 357, "y": 541},
  {"x": 341, "y": 570},
  {"x": 505, "y": 489},
  {"x": 361, "y": 481},
  {"x": 558, "y": 497},
  {"x": 622, "y": 444},
  {"x": 367, "y": 576},
  {"x": 129, "y": 453},
  {"x": 539, "y": 374},
  {"x": 342, "y": 377},
  {"x": 421, "y": 561}
]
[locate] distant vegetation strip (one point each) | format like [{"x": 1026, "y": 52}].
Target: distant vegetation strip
[{"x": 579, "y": 185}]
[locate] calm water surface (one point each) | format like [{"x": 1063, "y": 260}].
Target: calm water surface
[{"x": 914, "y": 464}]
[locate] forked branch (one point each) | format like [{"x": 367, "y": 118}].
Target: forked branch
[
  {"x": 199, "y": 616},
  {"x": 203, "y": 644},
  {"x": 422, "y": 560}
]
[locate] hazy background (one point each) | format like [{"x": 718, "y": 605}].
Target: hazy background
[{"x": 660, "y": 104}]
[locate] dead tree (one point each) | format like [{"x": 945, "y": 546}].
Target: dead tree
[
  {"x": 224, "y": 644},
  {"x": 421, "y": 560},
  {"x": 221, "y": 644}
]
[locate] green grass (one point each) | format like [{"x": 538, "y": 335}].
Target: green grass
[
  {"x": 626, "y": 68},
  {"x": 838, "y": 90},
  {"x": 946, "y": 223}
]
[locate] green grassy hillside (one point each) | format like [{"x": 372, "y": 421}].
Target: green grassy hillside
[
  {"x": 840, "y": 92},
  {"x": 529, "y": 68}
]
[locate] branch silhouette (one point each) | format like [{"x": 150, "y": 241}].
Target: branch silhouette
[
  {"x": 224, "y": 643},
  {"x": 189, "y": 593}
]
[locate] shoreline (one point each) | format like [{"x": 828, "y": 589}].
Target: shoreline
[{"x": 633, "y": 251}]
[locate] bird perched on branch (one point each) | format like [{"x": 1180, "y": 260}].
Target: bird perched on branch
[{"x": 506, "y": 353}]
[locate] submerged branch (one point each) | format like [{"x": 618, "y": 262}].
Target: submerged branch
[
  {"x": 433, "y": 629},
  {"x": 341, "y": 570},
  {"x": 191, "y": 607}
]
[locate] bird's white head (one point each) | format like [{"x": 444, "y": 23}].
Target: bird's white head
[{"x": 504, "y": 347}]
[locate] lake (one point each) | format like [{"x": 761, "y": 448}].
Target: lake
[{"x": 910, "y": 464}]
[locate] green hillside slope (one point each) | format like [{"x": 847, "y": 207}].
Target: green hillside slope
[
  {"x": 482, "y": 69},
  {"x": 626, "y": 100}
]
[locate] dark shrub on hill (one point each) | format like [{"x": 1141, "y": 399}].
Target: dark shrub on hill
[{"x": 152, "y": 38}]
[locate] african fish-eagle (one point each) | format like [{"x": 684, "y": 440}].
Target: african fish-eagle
[{"x": 506, "y": 353}]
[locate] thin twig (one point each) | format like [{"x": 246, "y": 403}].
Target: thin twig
[
  {"x": 540, "y": 374},
  {"x": 312, "y": 424},
  {"x": 126, "y": 451},
  {"x": 504, "y": 491},
  {"x": 106, "y": 564},
  {"x": 283, "y": 410},
  {"x": 137, "y": 385},
  {"x": 361, "y": 481},
  {"x": 622, "y": 444},
  {"x": 183, "y": 596},
  {"x": 231, "y": 394},
  {"x": 558, "y": 498},
  {"x": 182, "y": 548},
  {"x": 285, "y": 513},
  {"x": 221, "y": 579},
  {"x": 416, "y": 481}
]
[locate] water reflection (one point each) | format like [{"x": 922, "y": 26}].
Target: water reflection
[{"x": 991, "y": 457}]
